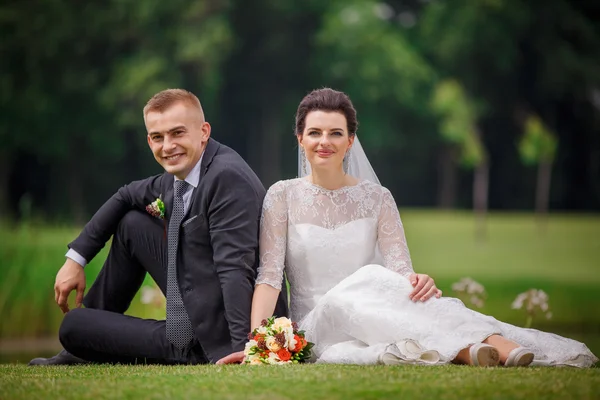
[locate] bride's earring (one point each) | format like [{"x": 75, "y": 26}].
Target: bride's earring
[
  {"x": 346, "y": 161},
  {"x": 303, "y": 162}
]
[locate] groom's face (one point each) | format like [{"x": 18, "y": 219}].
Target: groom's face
[{"x": 177, "y": 137}]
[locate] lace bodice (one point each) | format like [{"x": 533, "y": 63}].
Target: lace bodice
[{"x": 319, "y": 237}]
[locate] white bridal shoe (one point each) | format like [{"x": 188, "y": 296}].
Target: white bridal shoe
[
  {"x": 519, "y": 357},
  {"x": 484, "y": 355}
]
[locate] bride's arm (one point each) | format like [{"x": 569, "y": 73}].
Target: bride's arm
[
  {"x": 394, "y": 249},
  {"x": 272, "y": 248},
  {"x": 263, "y": 303},
  {"x": 391, "y": 239}
]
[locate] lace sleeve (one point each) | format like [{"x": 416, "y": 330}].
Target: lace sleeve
[
  {"x": 391, "y": 239},
  {"x": 273, "y": 237}
]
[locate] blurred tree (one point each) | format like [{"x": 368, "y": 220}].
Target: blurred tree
[
  {"x": 517, "y": 56},
  {"x": 538, "y": 147},
  {"x": 75, "y": 76},
  {"x": 264, "y": 80},
  {"x": 458, "y": 128},
  {"x": 81, "y": 72},
  {"x": 363, "y": 49}
]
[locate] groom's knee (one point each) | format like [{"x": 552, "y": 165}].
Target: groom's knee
[
  {"x": 136, "y": 221},
  {"x": 70, "y": 333}
]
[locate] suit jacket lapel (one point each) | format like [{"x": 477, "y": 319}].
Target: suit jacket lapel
[{"x": 209, "y": 153}]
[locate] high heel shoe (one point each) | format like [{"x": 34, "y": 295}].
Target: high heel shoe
[
  {"x": 519, "y": 357},
  {"x": 484, "y": 355}
]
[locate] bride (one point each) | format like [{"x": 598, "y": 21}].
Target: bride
[{"x": 337, "y": 235}]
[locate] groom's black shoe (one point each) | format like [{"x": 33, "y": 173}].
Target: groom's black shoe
[{"x": 62, "y": 358}]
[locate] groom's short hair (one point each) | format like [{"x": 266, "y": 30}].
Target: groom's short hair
[{"x": 165, "y": 99}]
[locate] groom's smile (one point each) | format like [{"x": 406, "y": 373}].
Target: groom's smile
[{"x": 173, "y": 158}]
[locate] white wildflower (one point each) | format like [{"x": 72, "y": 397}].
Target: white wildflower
[
  {"x": 533, "y": 301},
  {"x": 147, "y": 295},
  {"x": 470, "y": 291},
  {"x": 152, "y": 295},
  {"x": 518, "y": 303}
]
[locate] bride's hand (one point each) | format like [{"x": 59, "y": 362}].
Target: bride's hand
[{"x": 424, "y": 287}]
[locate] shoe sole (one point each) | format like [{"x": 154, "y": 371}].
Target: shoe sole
[
  {"x": 488, "y": 357},
  {"x": 524, "y": 360}
]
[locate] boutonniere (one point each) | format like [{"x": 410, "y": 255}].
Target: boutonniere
[{"x": 157, "y": 208}]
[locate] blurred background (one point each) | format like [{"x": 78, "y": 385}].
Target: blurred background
[{"x": 481, "y": 116}]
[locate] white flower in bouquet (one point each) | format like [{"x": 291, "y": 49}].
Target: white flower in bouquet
[
  {"x": 470, "y": 291},
  {"x": 249, "y": 345},
  {"x": 261, "y": 330},
  {"x": 290, "y": 339},
  {"x": 273, "y": 344},
  {"x": 532, "y": 301},
  {"x": 281, "y": 323},
  {"x": 254, "y": 359},
  {"x": 274, "y": 358}
]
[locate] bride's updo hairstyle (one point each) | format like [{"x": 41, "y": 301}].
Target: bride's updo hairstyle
[{"x": 328, "y": 100}]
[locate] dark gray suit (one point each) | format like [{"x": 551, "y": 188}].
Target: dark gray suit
[{"x": 217, "y": 263}]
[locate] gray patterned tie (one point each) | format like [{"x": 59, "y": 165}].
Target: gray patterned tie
[{"x": 179, "y": 327}]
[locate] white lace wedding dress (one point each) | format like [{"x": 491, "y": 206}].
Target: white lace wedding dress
[{"x": 345, "y": 255}]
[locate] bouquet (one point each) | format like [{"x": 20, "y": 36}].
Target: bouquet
[{"x": 277, "y": 341}]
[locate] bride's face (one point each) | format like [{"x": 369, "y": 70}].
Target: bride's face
[{"x": 325, "y": 139}]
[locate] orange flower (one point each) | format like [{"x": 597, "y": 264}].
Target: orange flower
[
  {"x": 259, "y": 336},
  {"x": 284, "y": 355},
  {"x": 299, "y": 343}
]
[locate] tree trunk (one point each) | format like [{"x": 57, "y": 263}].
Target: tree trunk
[
  {"x": 5, "y": 170},
  {"x": 270, "y": 147},
  {"x": 447, "y": 177},
  {"x": 480, "y": 200},
  {"x": 542, "y": 193}
]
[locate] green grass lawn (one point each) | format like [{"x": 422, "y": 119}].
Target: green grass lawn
[{"x": 296, "y": 382}]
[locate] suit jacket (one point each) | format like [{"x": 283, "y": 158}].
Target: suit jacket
[{"x": 218, "y": 244}]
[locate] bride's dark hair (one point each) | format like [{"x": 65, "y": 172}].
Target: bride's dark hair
[{"x": 330, "y": 100}]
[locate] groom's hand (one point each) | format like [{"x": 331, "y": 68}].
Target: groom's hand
[
  {"x": 233, "y": 358},
  {"x": 70, "y": 277},
  {"x": 424, "y": 287}
]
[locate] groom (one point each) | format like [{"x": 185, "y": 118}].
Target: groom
[{"x": 202, "y": 252}]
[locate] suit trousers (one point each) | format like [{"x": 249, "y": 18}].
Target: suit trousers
[{"x": 101, "y": 332}]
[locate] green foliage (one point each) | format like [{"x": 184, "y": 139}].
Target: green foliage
[
  {"x": 537, "y": 144},
  {"x": 75, "y": 76},
  {"x": 31, "y": 256},
  {"x": 361, "y": 47}
]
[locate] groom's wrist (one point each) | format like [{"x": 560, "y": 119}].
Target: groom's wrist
[{"x": 75, "y": 256}]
